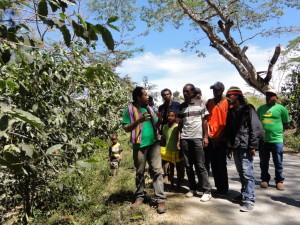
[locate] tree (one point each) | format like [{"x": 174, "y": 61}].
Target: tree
[
  {"x": 25, "y": 24},
  {"x": 223, "y": 23},
  {"x": 56, "y": 107},
  {"x": 291, "y": 87}
]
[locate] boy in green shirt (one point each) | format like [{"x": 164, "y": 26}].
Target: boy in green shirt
[{"x": 275, "y": 119}]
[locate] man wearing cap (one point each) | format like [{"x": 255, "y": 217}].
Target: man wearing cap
[
  {"x": 216, "y": 150},
  {"x": 275, "y": 119},
  {"x": 243, "y": 130}
]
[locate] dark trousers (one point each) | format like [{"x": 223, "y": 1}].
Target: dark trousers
[
  {"x": 217, "y": 155},
  {"x": 193, "y": 154}
]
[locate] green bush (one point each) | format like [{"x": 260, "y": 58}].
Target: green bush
[{"x": 292, "y": 140}]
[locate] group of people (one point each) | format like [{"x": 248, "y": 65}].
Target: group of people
[{"x": 195, "y": 135}]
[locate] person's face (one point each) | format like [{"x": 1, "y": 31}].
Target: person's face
[
  {"x": 171, "y": 117},
  {"x": 166, "y": 95},
  {"x": 232, "y": 99},
  {"x": 271, "y": 98},
  {"x": 198, "y": 96},
  {"x": 144, "y": 99},
  {"x": 187, "y": 92},
  {"x": 217, "y": 93},
  {"x": 114, "y": 139}
]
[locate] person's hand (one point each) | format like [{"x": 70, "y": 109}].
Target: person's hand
[
  {"x": 205, "y": 142},
  {"x": 229, "y": 153},
  {"x": 144, "y": 117},
  {"x": 178, "y": 145},
  {"x": 252, "y": 152}
]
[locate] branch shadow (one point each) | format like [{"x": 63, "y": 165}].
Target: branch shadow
[{"x": 288, "y": 201}]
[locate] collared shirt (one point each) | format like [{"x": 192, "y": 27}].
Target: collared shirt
[{"x": 192, "y": 114}]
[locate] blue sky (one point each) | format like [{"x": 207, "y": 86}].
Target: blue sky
[{"x": 167, "y": 67}]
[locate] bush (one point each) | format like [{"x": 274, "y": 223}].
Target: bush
[{"x": 292, "y": 140}]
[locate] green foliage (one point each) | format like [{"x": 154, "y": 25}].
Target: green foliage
[
  {"x": 256, "y": 101},
  {"x": 52, "y": 108},
  {"x": 91, "y": 196},
  {"x": 292, "y": 140},
  {"x": 47, "y": 18},
  {"x": 291, "y": 87}
]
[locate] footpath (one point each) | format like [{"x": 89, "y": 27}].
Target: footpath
[{"x": 272, "y": 207}]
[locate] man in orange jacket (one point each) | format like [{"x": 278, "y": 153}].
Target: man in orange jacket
[{"x": 216, "y": 150}]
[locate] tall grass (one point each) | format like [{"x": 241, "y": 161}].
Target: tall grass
[{"x": 91, "y": 196}]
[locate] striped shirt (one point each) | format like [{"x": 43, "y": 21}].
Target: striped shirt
[{"x": 191, "y": 115}]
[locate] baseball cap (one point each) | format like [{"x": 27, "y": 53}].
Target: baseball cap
[
  {"x": 218, "y": 86},
  {"x": 271, "y": 90}
]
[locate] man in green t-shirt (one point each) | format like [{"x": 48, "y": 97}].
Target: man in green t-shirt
[
  {"x": 141, "y": 121},
  {"x": 275, "y": 119}
]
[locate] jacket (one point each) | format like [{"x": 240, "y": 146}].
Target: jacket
[{"x": 243, "y": 128}]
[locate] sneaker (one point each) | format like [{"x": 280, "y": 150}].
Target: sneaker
[
  {"x": 264, "y": 184},
  {"x": 280, "y": 186},
  {"x": 247, "y": 206},
  {"x": 191, "y": 193},
  {"x": 237, "y": 199},
  {"x": 161, "y": 207},
  {"x": 137, "y": 203},
  {"x": 205, "y": 197}
]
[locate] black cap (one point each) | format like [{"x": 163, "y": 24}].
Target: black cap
[{"x": 218, "y": 86}]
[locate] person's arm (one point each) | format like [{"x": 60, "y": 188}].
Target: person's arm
[
  {"x": 130, "y": 127},
  {"x": 205, "y": 130},
  {"x": 255, "y": 131},
  {"x": 179, "y": 132}
]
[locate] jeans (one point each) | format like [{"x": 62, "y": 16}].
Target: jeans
[
  {"x": 217, "y": 154},
  {"x": 277, "y": 153},
  {"x": 193, "y": 154},
  {"x": 245, "y": 167},
  {"x": 152, "y": 155}
]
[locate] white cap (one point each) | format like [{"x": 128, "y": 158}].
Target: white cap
[{"x": 271, "y": 90}]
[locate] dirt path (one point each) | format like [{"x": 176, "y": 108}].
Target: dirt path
[{"x": 272, "y": 207}]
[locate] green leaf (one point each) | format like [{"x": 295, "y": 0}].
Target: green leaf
[
  {"x": 66, "y": 34},
  {"x": 27, "y": 149},
  {"x": 11, "y": 84},
  {"x": 54, "y": 6},
  {"x": 28, "y": 57},
  {"x": 4, "y": 122},
  {"x": 78, "y": 29},
  {"x": 82, "y": 21},
  {"x": 63, "y": 16},
  {"x": 42, "y": 9},
  {"x": 53, "y": 149},
  {"x": 27, "y": 117},
  {"x": 24, "y": 26},
  {"x": 113, "y": 27},
  {"x": 58, "y": 22},
  {"x": 11, "y": 157},
  {"x": 106, "y": 36},
  {"x": 112, "y": 19}
]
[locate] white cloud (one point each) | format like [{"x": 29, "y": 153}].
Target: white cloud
[{"x": 174, "y": 69}]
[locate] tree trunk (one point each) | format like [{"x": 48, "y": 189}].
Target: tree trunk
[{"x": 229, "y": 49}]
